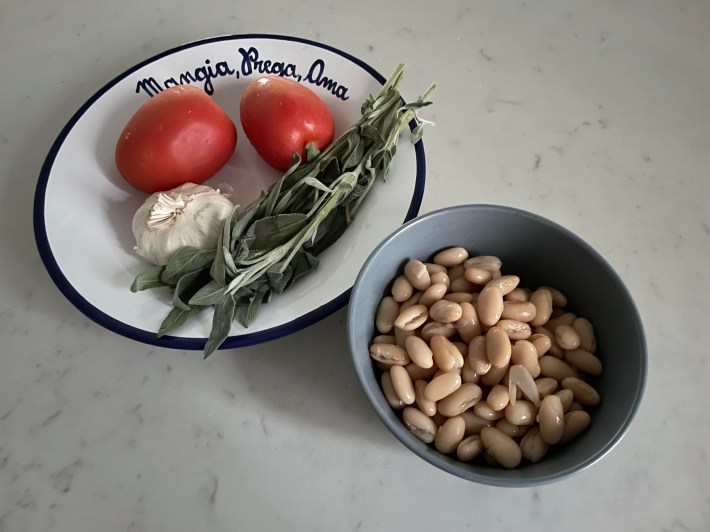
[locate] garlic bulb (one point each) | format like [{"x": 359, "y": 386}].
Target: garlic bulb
[{"x": 189, "y": 215}]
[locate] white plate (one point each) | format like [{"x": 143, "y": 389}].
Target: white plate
[{"x": 83, "y": 207}]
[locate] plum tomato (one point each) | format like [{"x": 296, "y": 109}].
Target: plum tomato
[
  {"x": 280, "y": 116},
  {"x": 178, "y": 136}
]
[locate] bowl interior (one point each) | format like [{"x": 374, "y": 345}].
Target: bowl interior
[{"x": 540, "y": 252}]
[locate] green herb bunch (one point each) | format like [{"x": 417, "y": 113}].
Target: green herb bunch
[{"x": 265, "y": 248}]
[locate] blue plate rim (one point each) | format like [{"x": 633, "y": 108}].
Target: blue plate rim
[{"x": 192, "y": 343}]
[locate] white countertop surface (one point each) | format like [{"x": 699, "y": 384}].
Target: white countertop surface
[{"x": 593, "y": 114}]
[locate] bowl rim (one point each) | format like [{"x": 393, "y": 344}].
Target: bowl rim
[{"x": 448, "y": 464}]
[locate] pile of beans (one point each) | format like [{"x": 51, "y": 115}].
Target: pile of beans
[{"x": 482, "y": 368}]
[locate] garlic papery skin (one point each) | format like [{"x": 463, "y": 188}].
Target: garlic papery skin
[{"x": 189, "y": 215}]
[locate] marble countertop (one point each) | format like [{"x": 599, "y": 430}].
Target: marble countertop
[{"x": 593, "y": 114}]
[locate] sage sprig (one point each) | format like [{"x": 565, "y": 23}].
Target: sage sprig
[{"x": 265, "y": 248}]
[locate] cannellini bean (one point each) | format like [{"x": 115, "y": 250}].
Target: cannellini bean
[
  {"x": 422, "y": 426},
  {"x": 389, "y": 354},
  {"x": 583, "y": 392},
  {"x": 387, "y": 312},
  {"x": 451, "y": 257},
  {"x": 559, "y": 300},
  {"x": 489, "y": 262},
  {"x": 541, "y": 342},
  {"x": 532, "y": 446},
  {"x": 470, "y": 448},
  {"x": 554, "y": 367},
  {"x": 566, "y": 396},
  {"x": 514, "y": 431},
  {"x": 468, "y": 325},
  {"x": 585, "y": 329},
  {"x": 477, "y": 276},
  {"x": 554, "y": 349},
  {"x": 523, "y": 311},
  {"x": 524, "y": 353},
  {"x": 567, "y": 337},
  {"x": 432, "y": 268},
  {"x": 468, "y": 375},
  {"x": 434, "y": 327},
  {"x": 412, "y": 317},
  {"x": 584, "y": 361},
  {"x": 575, "y": 406},
  {"x": 419, "y": 352},
  {"x": 417, "y": 274},
  {"x": 444, "y": 352},
  {"x": 506, "y": 283},
  {"x": 460, "y": 297},
  {"x": 494, "y": 375},
  {"x": 441, "y": 278},
  {"x": 445, "y": 311},
  {"x": 483, "y": 410},
  {"x": 477, "y": 357},
  {"x": 501, "y": 447},
  {"x": 417, "y": 372},
  {"x": 427, "y": 407},
  {"x": 516, "y": 330},
  {"x": 521, "y": 413},
  {"x": 411, "y": 301},
  {"x": 576, "y": 422},
  {"x": 461, "y": 285},
  {"x": 498, "y": 347},
  {"x": 551, "y": 419},
  {"x": 461, "y": 400},
  {"x": 519, "y": 294},
  {"x": 389, "y": 392},
  {"x": 434, "y": 293},
  {"x": 546, "y": 386},
  {"x": 542, "y": 299},
  {"x": 565, "y": 318},
  {"x": 442, "y": 386},
  {"x": 475, "y": 423},
  {"x": 455, "y": 272},
  {"x": 403, "y": 385},
  {"x": 450, "y": 435},
  {"x": 462, "y": 347},
  {"x": 490, "y": 305},
  {"x": 442, "y": 372},
  {"x": 402, "y": 289},
  {"x": 498, "y": 397},
  {"x": 400, "y": 336},
  {"x": 384, "y": 339}
]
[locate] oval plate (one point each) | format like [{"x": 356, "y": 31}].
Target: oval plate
[{"x": 83, "y": 208}]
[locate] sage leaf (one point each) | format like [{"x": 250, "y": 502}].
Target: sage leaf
[
  {"x": 176, "y": 318},
  {"x": 221, "y": 324},
  {"x": 187, "y": 286},
  {"x": 209, "y": 294},
  {"x": 247, "y": 313},
  {"x": 311, "y": 151},
  {"x": 186, "y": 260},
  {"x": 148, "y": 279},
  {"x": 279, "y": 279},
  {"x": 241, "y": 223},
  {"x": 274, "y": 231},
  {"x": 371, "y": 133}
]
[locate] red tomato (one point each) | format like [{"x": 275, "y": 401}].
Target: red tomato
[
  {"x": 178, "y": 136},
  {"x": 281, "y": 116}
]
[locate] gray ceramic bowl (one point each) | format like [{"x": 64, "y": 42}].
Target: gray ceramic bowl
[{"x": 540, "y": 252}]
